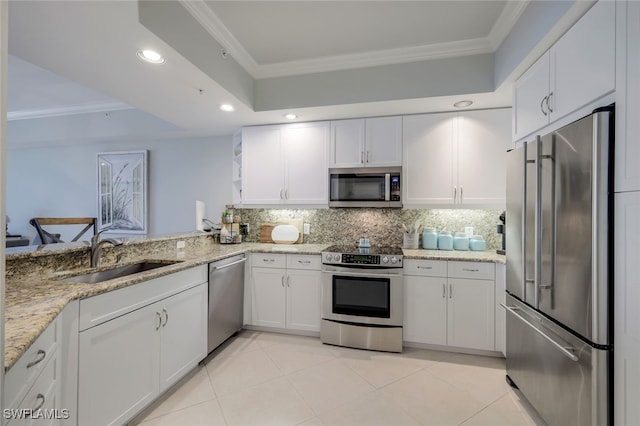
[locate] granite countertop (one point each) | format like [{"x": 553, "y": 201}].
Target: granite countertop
[
  {"x": 465, "y": 256},
  {"x": 33, "y": 300}
]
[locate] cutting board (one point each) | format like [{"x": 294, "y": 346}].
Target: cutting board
[{"x": 267, "y": 228}]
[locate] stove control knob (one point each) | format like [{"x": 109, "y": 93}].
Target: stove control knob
[
  {"x": 385, "y": 259},
  {"x": 394, "y": 260},
  {"x": 336, "y": 257},
  {"x": 328, "y": 257}
]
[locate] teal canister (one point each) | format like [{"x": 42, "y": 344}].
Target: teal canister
[
  {"x": 429, "y": 239},
  {"x": 461, "y": 241},
  {"x": 477, "y": 243},
  {"x": 445, "y": 240}
]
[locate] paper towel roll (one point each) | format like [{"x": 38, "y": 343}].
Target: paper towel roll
[{"x": 200, "y": 213}]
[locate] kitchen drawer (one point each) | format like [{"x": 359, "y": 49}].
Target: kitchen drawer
[
  {"x": 25, "y": 371},
  {"x": 472, "y": 270},
  {"x": 427, "y": 268},
  {"x": 269, "y": 260},
  {"x": 107, "y": 306},
  {"x": 304, "y": 261},
  {"x": 44, "y": 395}
]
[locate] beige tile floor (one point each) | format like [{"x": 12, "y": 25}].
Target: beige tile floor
[{"x": 276, "y": 379}]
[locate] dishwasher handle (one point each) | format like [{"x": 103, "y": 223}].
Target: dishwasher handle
[{"x": 217, "y": 268}]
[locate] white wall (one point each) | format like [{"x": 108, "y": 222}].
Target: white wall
[{"x": 60, "y": 181}]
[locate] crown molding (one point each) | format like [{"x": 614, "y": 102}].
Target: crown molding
[
  {"x": 506, "y": 21},
  {"x": 377, "y": 58},
  {"x": 66, "y": 110},
  {"x": 216, "y": 28}
]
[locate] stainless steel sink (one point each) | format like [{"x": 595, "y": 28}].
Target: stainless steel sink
[{"x": 118, "y": 272}]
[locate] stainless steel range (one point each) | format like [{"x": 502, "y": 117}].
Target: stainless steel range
[{"x": 362, "y": 297}]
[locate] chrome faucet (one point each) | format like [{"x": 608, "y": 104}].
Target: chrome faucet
[{"x": 96, "y": 247}]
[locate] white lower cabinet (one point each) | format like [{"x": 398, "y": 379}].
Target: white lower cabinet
[
  {"x": 128, "y": 361},
  {"x": 286, "y": 291},
  {"x": 450, "y": 303},
  {"x": 43, "y": 381},
  {"x": 119, "y": 364}
]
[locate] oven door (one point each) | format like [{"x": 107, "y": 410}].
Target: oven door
[{"x": 362, "y": 296}]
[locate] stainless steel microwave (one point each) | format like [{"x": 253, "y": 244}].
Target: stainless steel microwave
[{"x": 365, "y": 187}]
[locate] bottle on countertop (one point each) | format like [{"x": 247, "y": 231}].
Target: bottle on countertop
[
  {"x": 477, "y": 243},
  {"x": 429, "y": 239},
  {"x": 461, "y": 241},
  {"x": 445, "y": 240}
]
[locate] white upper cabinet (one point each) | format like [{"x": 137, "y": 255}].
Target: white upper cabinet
[
  {"x": 577, "y": 70},
  {"x": 285, "y": 164},
  {"x": 456, "y": 158},
  {"x": 627, "y": 149},
  {"x": 483, "y": 137},
  {"x": 347, "y": 143},
  {"x": 429, "y": 158},
  {"x": 262, "y": 165},
  {"x": 530, "y": 94},
  {"x": 305, "y": 158},
  {"x": 370, "y": 142}
]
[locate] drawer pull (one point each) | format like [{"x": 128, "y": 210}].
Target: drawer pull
[
  {"x": 425, "y": 267},
  {"x": 41, "y": 356},
  {"x": 42, "y": 401},
  {"x": 471, "y": 270},
  {"x": 268, "y": 260},
  {"x": 304, "y": 262}
]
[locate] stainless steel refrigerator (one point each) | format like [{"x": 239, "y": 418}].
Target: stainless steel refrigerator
[{"x": 559, "y": 276}]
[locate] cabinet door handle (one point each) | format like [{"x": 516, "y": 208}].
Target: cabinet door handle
[
  {"x": 455, "y": 193},
  {"x": 41, "y": 356},
  {"x": 549, "y": 102},
  {"x": 542, "y": 102},
  {"x": 286, "y": 194},
  {"x": 42, "y": 401},
  {"x": 166, "y": 317},
  {"x": 288, "y": 281},
  {"x": 444, "y": 291},
  {"x": 450, "y": 291},
  {"x": 362, "y": 157},
  {"x": 461, "y": 192},
  {"x": 159, "y": 317},
  {"x": 367, "y": 156},
  {"x": 282, "y": 281}
]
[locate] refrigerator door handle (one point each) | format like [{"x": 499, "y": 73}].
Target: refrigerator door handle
[
  {"x": 538, "y": 223},
  {"x": 568, "y": 352}
]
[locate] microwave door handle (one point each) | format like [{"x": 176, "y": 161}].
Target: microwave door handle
[{"x": 387, "y": 186}]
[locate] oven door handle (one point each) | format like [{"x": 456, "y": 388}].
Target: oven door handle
[{"x": 364, "y": 275}]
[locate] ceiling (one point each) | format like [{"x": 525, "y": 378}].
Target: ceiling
[{"x": 78, "y": 57}]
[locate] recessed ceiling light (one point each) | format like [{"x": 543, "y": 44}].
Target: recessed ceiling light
[
  {"x": 290, "y": 116},
  {"x": 150, "y": 56},
  {"x": 463, "y": 104},
  {"x": 227, "y": 107}
]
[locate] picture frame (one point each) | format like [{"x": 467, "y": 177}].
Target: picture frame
[{"x": 122, "y": 192}]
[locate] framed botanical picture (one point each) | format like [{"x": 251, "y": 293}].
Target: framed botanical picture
[{"x": 122, "y": 192}]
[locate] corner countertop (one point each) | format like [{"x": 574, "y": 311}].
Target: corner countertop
[{"x": 32, "y": 301}]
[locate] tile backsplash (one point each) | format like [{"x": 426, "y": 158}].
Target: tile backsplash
[{"x": 381, "y": 226}]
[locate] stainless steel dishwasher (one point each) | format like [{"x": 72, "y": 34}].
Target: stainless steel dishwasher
[{"x": 226, "y": 299}]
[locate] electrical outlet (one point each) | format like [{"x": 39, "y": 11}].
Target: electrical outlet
[
  {"x": 306, "y": 229},
  {"x": 180, "y": 245}
]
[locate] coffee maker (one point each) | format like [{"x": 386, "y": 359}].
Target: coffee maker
[{"x": 502, "y": 230}]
